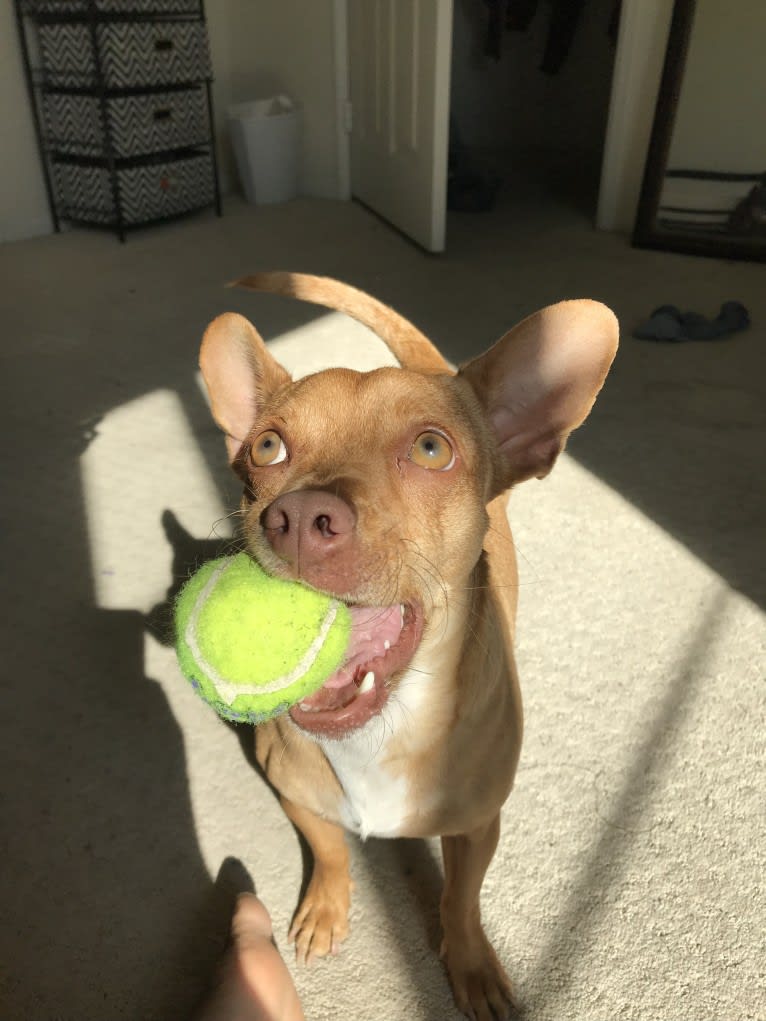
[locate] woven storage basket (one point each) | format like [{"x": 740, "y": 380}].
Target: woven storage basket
[
  {"x": 133, "y": 54},
  {"x": 138, "y": 124},
  {"x": 112, "y": 6},
  {"x": 149, "y": 191}
]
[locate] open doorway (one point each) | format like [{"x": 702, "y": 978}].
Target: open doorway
[{"x": 530, "y": 89}]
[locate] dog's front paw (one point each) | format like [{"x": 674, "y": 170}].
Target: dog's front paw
[
  {"x": 481, "y": 988},
  {"x": 321, "y": 922}
]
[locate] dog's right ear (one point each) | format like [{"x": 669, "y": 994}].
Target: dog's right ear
[
  {"x": 239, "y": 374},
  {"x": 539, "y": 382}
]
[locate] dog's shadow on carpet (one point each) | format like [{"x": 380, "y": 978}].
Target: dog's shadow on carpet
[{"x": 189, "y": 554}]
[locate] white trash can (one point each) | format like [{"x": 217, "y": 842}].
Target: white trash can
[{"x": 266, "y": 135}]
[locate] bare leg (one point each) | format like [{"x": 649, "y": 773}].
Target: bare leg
[
  {"x": 254, "y": 984},
  {"x": 479, "y": 983},
  {"x": 321, "y": 922}
]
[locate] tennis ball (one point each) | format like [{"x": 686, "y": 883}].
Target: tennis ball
[{"x": 253, "y": 645}]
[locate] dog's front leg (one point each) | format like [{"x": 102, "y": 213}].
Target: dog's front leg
[
  {"x": 321, "y": 921},
  {"x": 479, "y": 983}
]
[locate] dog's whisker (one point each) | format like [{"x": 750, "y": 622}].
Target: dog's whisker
[
  {"x": 429, "y": 571},
  {"x": 285, "y": 744},
  {"x": 507, "y": 537},
  {"x": 475, "y": 635}
]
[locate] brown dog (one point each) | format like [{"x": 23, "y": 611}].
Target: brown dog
[{"x": 386, "y": 489}]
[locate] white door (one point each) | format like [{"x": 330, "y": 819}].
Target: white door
[{"x": 400, "y": 54}]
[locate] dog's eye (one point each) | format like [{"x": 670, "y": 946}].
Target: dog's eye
[
  {"x": 268, "y": 449},
  {"x": 432, "y": 450}
]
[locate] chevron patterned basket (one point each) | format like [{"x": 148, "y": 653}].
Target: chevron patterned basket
[
  {"x": 150, "y": 191},
  {"x": 133, "y": 54},
  {"x": 138, "y": 124},
  {"x": 112, "y": 6}
]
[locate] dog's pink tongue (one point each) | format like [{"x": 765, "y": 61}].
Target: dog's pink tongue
[{"x": 374, "y": 629}]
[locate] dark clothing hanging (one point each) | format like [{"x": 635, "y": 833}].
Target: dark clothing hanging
[
  {"x": 566, "y": 14},
  {"x": 517, "y": 16}
]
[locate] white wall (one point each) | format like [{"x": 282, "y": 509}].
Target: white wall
[
  {"x": 644, "y": 26},
  {"x": 261, "y": 48},
  {"x": 258, "y": 48},
  {"x": 23, "y": 205},
  {"x": 720, "y": 118}
]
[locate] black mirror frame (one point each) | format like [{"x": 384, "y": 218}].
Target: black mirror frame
[{"x": 646, "y": 233}]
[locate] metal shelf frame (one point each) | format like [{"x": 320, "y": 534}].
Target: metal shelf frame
[{"x": 29, "y": 15}]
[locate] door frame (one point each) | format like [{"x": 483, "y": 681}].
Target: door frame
[
  {"x": 342, "y": 96},
  {"x": 644, "y": 25},
  {"x": 641, "y": 43}
]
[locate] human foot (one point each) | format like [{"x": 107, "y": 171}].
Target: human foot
[{"x": 254, "y": 983}]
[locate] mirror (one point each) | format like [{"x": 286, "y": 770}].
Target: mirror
[{"x": 704, "y": 187}]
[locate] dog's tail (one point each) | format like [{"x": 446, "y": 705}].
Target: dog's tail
[{"x": 411, "y": 348}]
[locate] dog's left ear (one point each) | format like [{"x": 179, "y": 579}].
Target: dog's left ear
[
  {"x": 239, "y": 374},
  {"x": 538, "y": 383}
]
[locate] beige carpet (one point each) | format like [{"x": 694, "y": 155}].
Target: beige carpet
[{"x": 629, "y": 880}]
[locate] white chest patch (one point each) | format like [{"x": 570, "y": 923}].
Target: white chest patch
[{"x": 376, "y": 798}]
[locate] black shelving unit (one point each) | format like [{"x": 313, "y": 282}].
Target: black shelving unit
[{"x": 121, "y": 96}]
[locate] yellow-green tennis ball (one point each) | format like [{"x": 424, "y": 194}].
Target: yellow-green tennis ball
[{"x": 253, "y": 645}]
